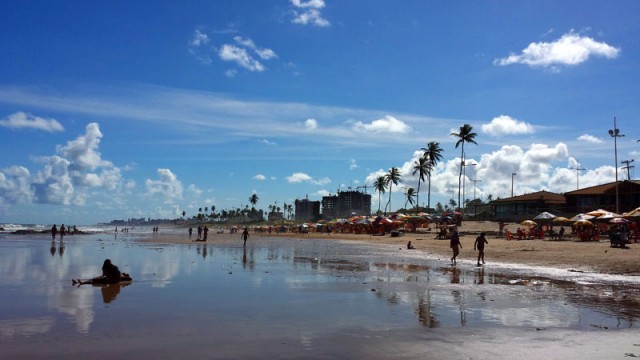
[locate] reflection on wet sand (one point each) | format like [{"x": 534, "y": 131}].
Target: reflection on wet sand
[{"x": 111, "y": 291}]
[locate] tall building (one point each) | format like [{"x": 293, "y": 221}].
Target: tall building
[
  {"x": 307, "y": 210},
  {"x": 346, "y": 204}
]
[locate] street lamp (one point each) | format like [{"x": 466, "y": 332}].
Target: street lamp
[
  {"x": 474, "y": 194},
  {"x": 615, "y": 134},
  {"x": 512, "y": 176}
]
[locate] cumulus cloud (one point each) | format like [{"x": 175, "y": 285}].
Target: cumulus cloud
[
  {"x": 311, "y": 124},
  {"x": 506, "y": 125},
  {"x": 242, "y": 52},
  {"x": 388, "y": 124},
  {"x": 590, "y": 139},
  {"x": 308, "y": 13},
  {"x": 15, "y": 185},
  {"x": 83, "y": 151},
  {"x": 241, "y": 57},
  {"x": 21, "y": 120},
  {"x": 570, "y": 49},
  {"x": 305, "y": 178},
  {"x": 259, "y": 177},
  {"x": 167, "y": 185}
]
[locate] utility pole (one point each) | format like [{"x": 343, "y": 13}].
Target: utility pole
[
  {"x": 577, "y": 169},
  {"x": 615, "y": 134},
  {"x": 628, "y": 167}
]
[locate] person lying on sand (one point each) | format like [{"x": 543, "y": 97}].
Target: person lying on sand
[{"x": 110, "y": 275}]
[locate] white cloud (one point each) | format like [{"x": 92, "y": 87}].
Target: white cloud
[
  {"x": 570, "y": 49},
  {"x": 302, "y": 177},
  {"x": 197, "y": 47},
  {"x": 388, "y": 124},
  {"x": 195, "y": 190},
  {"x": 83, "y": 152},
  {"x": 590, "y": 139},
  {"x": 199, "y": 39},
  {"x": 231, "y": 73},
  {"x": 311, "y": 124},
  {"x": 15, "y": 185},
  {"x": 308, "y": 13},
  {"x": 353, "y": 164},
  {"x": 263, "y": 53},
  {"x": 22, "y": 120},
  {"x": 267, "y": 142},
  {"x": 506, "y": 125},
  {"x": 168, "y": 185},
  {"x": 241, "y": 57},
  {"x": 259, "y": 177}
]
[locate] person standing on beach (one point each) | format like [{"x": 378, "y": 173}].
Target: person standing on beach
[
  {"x": 54, "y": 232},
  {"x": 205, "y": 231},
  {"x": 190, "y": 231},
  {"x": 199, "y": 232},
  {"x": 245, "y": 236},
  {"x": 455, "y": 245},
  {"x": 62, "y": 230},
  {"x": 479, "y": 244}
]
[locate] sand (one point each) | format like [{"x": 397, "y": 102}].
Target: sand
[{"x": 570, "y": 254}]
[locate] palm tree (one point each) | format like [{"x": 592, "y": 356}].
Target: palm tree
[
  {"x": 253, "y": 199},
  {"x": 290, "y": 209},
  {"x": 465, "y": 135},
  {"x": 393, "y": 177},
  {"x": 411, "y": 193},
  {"x": 380, "y": 185},
  {"x": 433, "y": 154},
  {"x": 420, "y": 166}
]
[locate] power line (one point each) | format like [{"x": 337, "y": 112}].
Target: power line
[
  {"x": 577, "y": 168},
  {"x": 628, "y": 167}
]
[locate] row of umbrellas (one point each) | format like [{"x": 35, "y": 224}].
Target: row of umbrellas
[{"x": 586, "y": 218}]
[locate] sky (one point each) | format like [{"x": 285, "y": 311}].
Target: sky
[{"x": 145, "y": 109}]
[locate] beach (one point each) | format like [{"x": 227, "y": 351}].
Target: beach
[
  {"x": 315, "y": 296},
  {"x": 569, "y": 254}
]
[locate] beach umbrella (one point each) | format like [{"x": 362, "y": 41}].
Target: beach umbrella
[
  {"x": 561, "y": 219},
  {"x": 633, "y": 213},
  {"x": 582, "y": 217},
  {"x": 608, "y": 215},
  {"x": 583, "y": 223},
  {"x": 544, "y": 216},
  {"x": 530, "y": 223},
  {"x": 618, "y": 220},
  {"x": 597, "y": 213}
]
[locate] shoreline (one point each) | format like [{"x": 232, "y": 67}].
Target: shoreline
[{"x": 571, "y": 255}]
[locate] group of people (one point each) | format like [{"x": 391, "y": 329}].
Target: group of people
[
  {"x": 477, "y": 245},
  {"x": 203, "y": 232},
  {"x": 62, "y": 231}
]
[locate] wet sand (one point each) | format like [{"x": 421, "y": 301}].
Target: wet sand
[{"x": 569, "y": 254}]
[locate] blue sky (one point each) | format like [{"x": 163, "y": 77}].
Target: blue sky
[{"x": 113, "y": 110}]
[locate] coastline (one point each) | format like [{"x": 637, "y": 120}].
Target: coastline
[{"x": 571, "y": 255}]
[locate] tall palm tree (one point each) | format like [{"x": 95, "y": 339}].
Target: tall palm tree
[
  {"x": 464, "y": 135},
  {"x": 411, "y": 193},
  {"x": 290, "y": 209},
  {"x": 421, "y": 167},
  {"x": 253, "y": 199},
  {"x": 433, "y": 154},
  {"x": 393, "y": 178},
  {"x": 380, "y": 185}
]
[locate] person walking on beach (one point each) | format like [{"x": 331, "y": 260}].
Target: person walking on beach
[
  {"x": 190, "y": 231},
  {"x": 62, "y": 231},
  {"x": 205, "y": 231},
  {"x": 54, "y": 232},
  {"x": 199, "y": 232},
  {"x": 455, "y": 245},
  {"x": 479, "y": 244},
  {"x": 245, "y": 236}
]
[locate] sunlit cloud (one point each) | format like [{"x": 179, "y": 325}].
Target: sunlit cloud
[
  {"x": 305, "y": 178},
  {"x": 21, "y": 120},
  {"x": 308, "y": 13},
  {"x": 506, "y": 125},
  {"x": 590, "y": 139},
  {"x": 570, "y": 49},
  {"x": 388, "y": 124}
]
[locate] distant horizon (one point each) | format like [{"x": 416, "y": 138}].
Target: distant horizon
[{"x": 152, "y": 110}]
